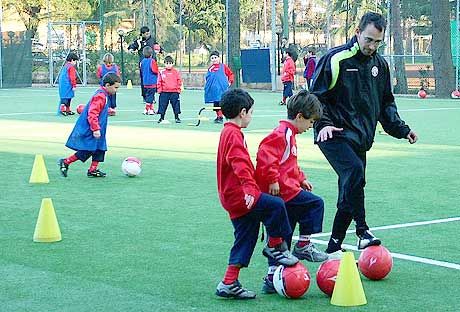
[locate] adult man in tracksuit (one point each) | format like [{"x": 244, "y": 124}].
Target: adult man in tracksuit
[{"x": 352, "y": 82}]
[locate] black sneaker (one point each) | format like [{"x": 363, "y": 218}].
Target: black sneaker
[
  {"x": 367, "y": 239},
  {"x": 234, "y": 290},
  {"x": 178, "y": 120},
  {"x": 64, "y": 113},
  {"x": 70, "y": 113},
  {"x": 219, "y": 120},
  {"x": 63, "y": 167},
  {"x": 267, "y": 286},
  {"x": 281, "y": 254},
  {"x": 96, "y": 174},
  {"x": 160, "y": 120}
]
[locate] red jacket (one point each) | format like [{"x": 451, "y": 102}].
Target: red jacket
[
  {"x": 277, "y": 161},
  {"x": 169, "y": 80},
  {"x": 288, "y": 71},
  {"x": 96, "y": 106},
  {"x": 235, "y": 172},
  {"x": 72, "y": 72}
]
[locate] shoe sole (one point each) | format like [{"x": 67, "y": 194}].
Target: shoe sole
[
  {"x": 376, "y": 242},
  {"x": 222, "y": 294}
]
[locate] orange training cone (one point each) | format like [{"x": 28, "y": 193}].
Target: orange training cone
[
  {"x": 47, "y": 227},
  {"x": 348, "y": 289},
  {"x": 39, "y": 173}
]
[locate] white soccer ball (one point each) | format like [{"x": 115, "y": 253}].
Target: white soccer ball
[{"x": 131, "y": 166}]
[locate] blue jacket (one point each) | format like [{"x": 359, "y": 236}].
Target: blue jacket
[{"x": 81, "y": 138}]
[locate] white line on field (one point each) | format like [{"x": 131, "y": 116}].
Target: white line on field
[
  {"x": 397, "y": 226},
  {"x": 444, "y": 264}
]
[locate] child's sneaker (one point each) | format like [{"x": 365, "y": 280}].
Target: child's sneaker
[
  {"x": 63, "y": 167},
  {"x": 282, "y": 103},
  {"x": 219, "y": 120},
  {"x": 151, "y": 112},
  {"x": 70, "y": 113},
  {"x": 234, "y": 290},
  {"x": 63, "y": 113},
  {"x": 146, "y": 112},
  {"x": 160, "y": 120},
  {"x": 336, "y": 254},
  {"x": 178, "y": 120},
  {"x": 281, "y": 254},
  {"x": 310, "y": 253},
  {"x": 96, "y": 174},
  {"x": 367, "y": 239},
  {"x": 267, "y": 286}
]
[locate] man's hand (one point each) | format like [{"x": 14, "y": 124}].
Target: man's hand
[
  {"x": 412, "y": 137},
  {"x": 97, "y": 134},
  {"x": 326, "y": 133},
  {"x": 249, "y": 199}
]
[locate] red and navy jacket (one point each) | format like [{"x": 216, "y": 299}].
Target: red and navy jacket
[
  {"x": 149, "y": 72},
  {"x": 235, "y": 172},
  {"x": 288, "y": 70},
  {"x": 169, "y": 80},
  {"x": 277, "y": 161}
]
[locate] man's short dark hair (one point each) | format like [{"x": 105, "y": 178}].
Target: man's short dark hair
[
  {"x": 216, "y": 53},
  {"x": 233, "y": 101},
  {"x": 111, "y": 79},
  {"x": 72, "y": 57},
  {"x": 144, "y": 29},
  {"x": 169, "y": 59},
  {"x": 372, "y": 18},
  {"x": 147, "y": 51},
  {"x": 305, "y": 103}
]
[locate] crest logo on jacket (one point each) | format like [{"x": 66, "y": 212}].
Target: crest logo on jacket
[{"x": 374, "y": 71}]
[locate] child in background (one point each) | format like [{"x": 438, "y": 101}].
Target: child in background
[
  {"x": 169, "y": 88},
  {"x": 88, "y": 135},
  {"x": 108, "y": 66},
  {"x": 287, "y": 76},
  {"x": 242, "y": 199},
  {"x": 68, "y": 83},
  {"x": 218, "y": 78},
  {"x": 278, "y": 173},
  {"x": 310, "y": 65},
  {"x": 149, "y": 74}
]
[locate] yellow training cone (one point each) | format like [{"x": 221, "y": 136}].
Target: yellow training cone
[
  {"x": 348, "y": 289},
  {"x": 47, "y": 227},
  {"x": 39, "y": 173},
  {"x": 129, "y": 85}
]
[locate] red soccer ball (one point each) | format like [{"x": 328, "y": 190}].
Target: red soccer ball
[
  {"x": 422, "y": 94},
  {"x": 375, "y": 262},
  {"x": 326, "y": 275},
  {"x": 291, "y": 282},
  {"x": 455, "y": 94},
  {"x": 80, "y": 108}
]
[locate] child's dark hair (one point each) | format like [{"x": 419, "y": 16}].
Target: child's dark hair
[
  {"x": 306, "y": 104},
  {"x": 144, "y": 29},
  {"x": 111, "y": 79},
  {"x": 147, "y": 51},
  {"x": 72, "y": 57},
  {"x": 216, "y": 53},
  {"x": 169, "y": 59},
  {"x": 233, "y": 101}
]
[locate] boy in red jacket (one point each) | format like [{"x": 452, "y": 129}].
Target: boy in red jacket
[
  {"x": 278, "y": 173},
  {"x": 241, "y": 197},
  {"x": 287, "y": 76},
  {"x": 169, "y": 87}
]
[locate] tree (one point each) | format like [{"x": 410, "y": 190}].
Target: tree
[
  {"x": 441, "y": 49},
  {"x": 396, "y": 29},
  {"x": 233, "y": 35}
]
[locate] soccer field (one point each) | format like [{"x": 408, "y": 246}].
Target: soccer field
[{"x": 160, "y": 241}]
